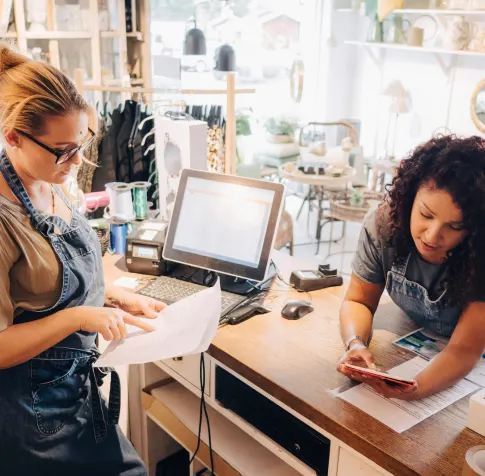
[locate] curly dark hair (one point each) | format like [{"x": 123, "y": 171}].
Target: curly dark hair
[{"x": 456, "y": 165}]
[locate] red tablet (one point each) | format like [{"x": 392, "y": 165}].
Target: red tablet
[{"x": 392, "y": 379}]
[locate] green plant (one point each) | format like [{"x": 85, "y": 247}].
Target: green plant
[
  {"x": 243, "y": 126},
  {"x": 280, "y": 127},
  {"x": 356, "y": 197}
]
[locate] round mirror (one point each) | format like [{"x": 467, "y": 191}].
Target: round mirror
[{"x": 478, "y": 106}]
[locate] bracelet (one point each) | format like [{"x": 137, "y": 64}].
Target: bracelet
[{"x": 364, "y": 341}]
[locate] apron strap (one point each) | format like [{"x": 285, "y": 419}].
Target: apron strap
[
  {"x": 401, "y": 268},
  {"x": 15, "y": 184},
  {"x": 100, "y": 424}
]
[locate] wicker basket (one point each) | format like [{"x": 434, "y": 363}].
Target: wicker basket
[
  {"x": 341, "y": 209},
  {"x": 103, "y": 236}
]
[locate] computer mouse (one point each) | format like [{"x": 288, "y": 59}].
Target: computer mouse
[{"x": 296, "y": 309}]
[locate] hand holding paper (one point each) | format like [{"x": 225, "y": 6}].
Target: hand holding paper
[{"x": 186, "y": 327}]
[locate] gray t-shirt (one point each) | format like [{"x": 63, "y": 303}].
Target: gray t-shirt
[{"x": 373, "y": 260}]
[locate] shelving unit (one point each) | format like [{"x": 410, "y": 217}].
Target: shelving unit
[
  {"x": 425, "y": 11},
  {"x": 390, "y": 46},
  {"x": 229, "y": 442},
  {"x": 104, "y": 54},
  {"x": 429, "y": 11}
]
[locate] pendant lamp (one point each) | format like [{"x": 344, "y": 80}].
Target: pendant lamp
[{"x": 194, "y": 43}]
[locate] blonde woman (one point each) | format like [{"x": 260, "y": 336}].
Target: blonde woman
[{"x": 53, "y": 300}]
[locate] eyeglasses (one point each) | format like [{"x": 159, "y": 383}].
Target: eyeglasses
[{"x": 62, "y": 156}]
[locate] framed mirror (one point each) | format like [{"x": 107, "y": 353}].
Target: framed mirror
[{"x": 477, "y": 107}]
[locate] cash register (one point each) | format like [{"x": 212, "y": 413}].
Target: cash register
[{"x": 222, "y": 226}]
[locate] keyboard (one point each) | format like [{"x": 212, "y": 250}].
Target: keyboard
[{"x": 170, "y": 290}]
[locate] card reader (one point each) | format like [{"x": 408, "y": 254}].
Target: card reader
[
  {"x": 309, "y": 280},
  {"x": 144, "y": 246}
]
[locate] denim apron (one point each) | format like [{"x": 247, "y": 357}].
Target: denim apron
[
  {"x": 53, "y": 420},
  {"x": 435, "y": 315}
]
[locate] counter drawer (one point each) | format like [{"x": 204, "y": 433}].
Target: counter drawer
[
  {"x": 349, "y": 464},
  {"x": 188, "y": 368}
]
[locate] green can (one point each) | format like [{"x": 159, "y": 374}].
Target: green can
[{"x": 140, "y": 201}]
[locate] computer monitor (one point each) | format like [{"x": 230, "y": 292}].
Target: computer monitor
[{"x": 224, "y": 223}]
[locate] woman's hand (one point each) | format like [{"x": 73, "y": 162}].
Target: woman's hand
[
  {"x": 401, "y": 392},
  {"x": 134, "y": 303},
  {"x": 109, "y": 322},
  {"x": 358, "y": 354}
]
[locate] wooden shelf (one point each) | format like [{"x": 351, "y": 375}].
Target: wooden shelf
[
  {"x": 110, "y": 34},
  {"x": 425, "y": 11},
  {"x": 58, "y": 35},
  {"x": 246, "y": 456},
  {"x": 428, "y": 11},
  {"x": 137, "y": 35},
  {"x": 390, "y": 46}
]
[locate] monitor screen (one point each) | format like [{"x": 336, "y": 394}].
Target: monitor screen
[{"x": 224, "y": 223}]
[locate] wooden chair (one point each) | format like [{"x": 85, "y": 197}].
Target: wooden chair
[{"x": 284, "y": 235}]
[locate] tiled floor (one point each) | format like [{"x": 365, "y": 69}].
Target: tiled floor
[{"x": 304, "y": 229}]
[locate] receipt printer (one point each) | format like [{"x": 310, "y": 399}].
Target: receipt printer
[
  {"x": 144, "y": 246},
  {"x": 309, "y": 280}
]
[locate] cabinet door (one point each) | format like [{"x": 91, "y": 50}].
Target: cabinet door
[{"x": 351, "y": 465}]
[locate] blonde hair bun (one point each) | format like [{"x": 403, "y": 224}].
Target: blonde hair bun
[
  {"x": 32, "y": 91},
  {"x": 10, "y": 58}
]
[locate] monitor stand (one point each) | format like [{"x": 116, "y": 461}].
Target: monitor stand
[{"x": 228, "y": 283}]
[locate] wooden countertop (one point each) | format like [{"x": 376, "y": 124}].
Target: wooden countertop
[{"x": 294, "y": 361}]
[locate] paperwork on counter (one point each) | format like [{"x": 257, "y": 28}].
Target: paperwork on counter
[{"x": 400, "y": 415}]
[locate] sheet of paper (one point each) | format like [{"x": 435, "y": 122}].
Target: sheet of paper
[
  {"x": 126, "y": 282},
  {"x": 401, "y": 415},
  {"x": 427, "y": 344},
  {"x": 183, "y": 328},
  {"x": 422, "y": 342},
  {"x": 477, "y": 375},
  {"x": 150, "y": 225}
]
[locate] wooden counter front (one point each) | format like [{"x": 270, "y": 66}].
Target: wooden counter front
[{"x": 294, "y": 362}]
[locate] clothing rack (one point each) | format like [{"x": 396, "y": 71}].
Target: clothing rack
[{"x": 230, "y": 91}]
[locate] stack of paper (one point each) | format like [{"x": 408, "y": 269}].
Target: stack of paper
[
  {"x": 428, "y": 345},
  {"x": 183, "y": 328},
  {"x": 400, "y": 415}
]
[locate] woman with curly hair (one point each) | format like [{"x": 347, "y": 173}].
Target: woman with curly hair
[{"x": 425, "y": 245}]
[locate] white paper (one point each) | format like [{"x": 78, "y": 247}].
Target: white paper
[
  {"x": 427, "y": 344},
  {"x": 401, "y": 415},
  {"x": 148, "y": 235},
  {"x": 151, "y": 225},
  {"x": 477, "y": 375},
  {"x": 183, "y": 328},
  {"x": 126, "y": 282}
]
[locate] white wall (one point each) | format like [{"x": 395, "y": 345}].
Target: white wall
[{"x": 353, "y": 81}]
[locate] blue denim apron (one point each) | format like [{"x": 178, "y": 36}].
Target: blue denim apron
[
  {"x": 436, "y": 315},
  {"x": 53, "y": 419}
]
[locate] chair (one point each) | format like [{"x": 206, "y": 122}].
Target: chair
[{"x": 284, "y": 235}]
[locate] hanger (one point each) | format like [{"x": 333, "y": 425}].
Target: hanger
[
  {"x": 142, "y": 122},
  {"x": 146, "y": 136},
  {"x": 149, "y": 149}
]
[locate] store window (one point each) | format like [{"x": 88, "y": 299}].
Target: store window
[{"x": 267, "y": 36}]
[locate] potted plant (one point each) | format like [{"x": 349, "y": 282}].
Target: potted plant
[
  {"x": 244, "y": 153},
  {"x": 280, "y": 130}
]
